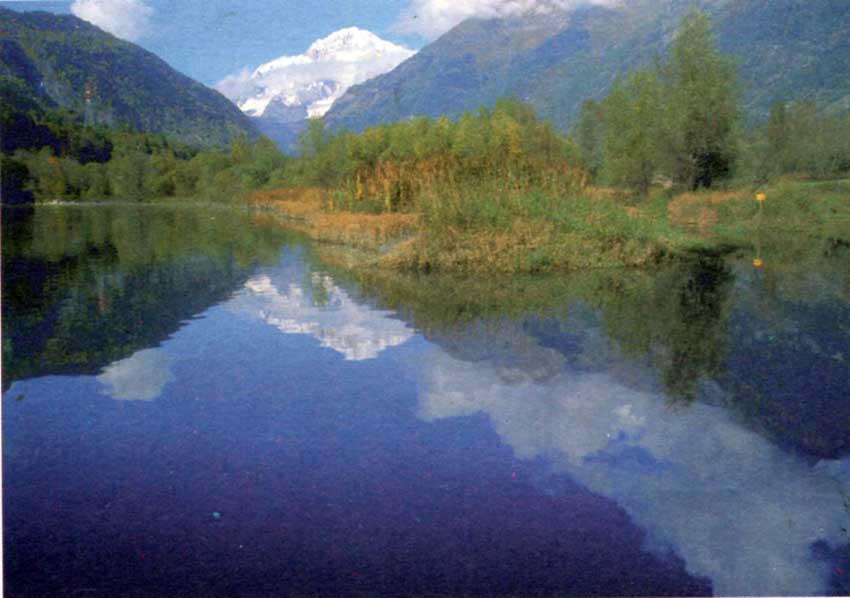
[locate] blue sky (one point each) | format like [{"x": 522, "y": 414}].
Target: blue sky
[{"x": 209, "y": 39}]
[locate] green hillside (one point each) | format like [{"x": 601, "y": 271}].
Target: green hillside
[
  {"x": 787, "y": 50},
  {"x": 51, "y": 61}
]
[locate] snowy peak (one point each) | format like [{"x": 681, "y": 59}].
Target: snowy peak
[
  {"x": 350, "y": 45},
  {"x": 291, "y": 88}
]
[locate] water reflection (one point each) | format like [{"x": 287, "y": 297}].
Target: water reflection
[
  {"x": 785, "y": 370},
  {"x": 140, "y": 377},
  {"x": 673, "y": 319},
  {"x": 704, "y": 403},
  {"x": 708, "y": 400},
  {"x": 770, "y": 345},
  {"x": 733, "y": 505},
  {"x": 321, "y": 309},
  {"x": 85, "y": 287}
]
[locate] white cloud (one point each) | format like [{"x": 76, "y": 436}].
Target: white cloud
[
  {"x": 237, "y": 87},
  {"x": 432, "y": 18},
  {"x": 734, "y": 506},
  {"x": 127, "y": 19},
  {"x": 140, "y": 377}
]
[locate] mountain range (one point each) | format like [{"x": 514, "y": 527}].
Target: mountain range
[
  {"x": 52, "y": 61},
  {"x": 787, "y": 50},
  {"x": 555, "y": 59},
  {"x": 283, "y": 93}
]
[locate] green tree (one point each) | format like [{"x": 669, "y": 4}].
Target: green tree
[
  {"x": 49, "y": 180},
  {"x": 240, "y": 149},
  {"x": 97, "y": 182},
  {"x": 589, "y": 133},
  {"x": 469, "y": 142},
  {"x": 161, "y": 174},
  {"x": 186, "y": 178},
  {"x": 631, "y": 148},
  {"x": 777, "y": 137},
  {"x": 702, "y": 105},
  {"x": 818, "y": 145},
  {"x": 317, "y": 152},
  {"x": 438, "y": 139},
  {"x": 313, "y": 139},
  {"x": 128, "y": 175}
]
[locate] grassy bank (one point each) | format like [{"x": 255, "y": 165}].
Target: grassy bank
[
  {"x": 791, "y": 210},
  {"x": 525, "y": 231}
]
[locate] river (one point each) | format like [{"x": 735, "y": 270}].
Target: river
[{"x": 197, "y": 402}]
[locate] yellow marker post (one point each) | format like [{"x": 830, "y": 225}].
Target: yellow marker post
[{"x": 760, "y": 197}]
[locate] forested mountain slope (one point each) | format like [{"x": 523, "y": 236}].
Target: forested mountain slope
[
  {"x": 52, "y": 61},
  {"x": 787, "y": 50}
]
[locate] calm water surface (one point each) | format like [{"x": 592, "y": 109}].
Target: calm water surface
[{"x": 194, "y": 404}]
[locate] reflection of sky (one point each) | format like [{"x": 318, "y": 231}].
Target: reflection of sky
[
  {"x": 140, "y": 377},
  {"x": 736, "y": 508},
  {"x": 323, "y": 311}
]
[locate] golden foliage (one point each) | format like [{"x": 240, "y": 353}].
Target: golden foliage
[{"x": 304, "y": 209}]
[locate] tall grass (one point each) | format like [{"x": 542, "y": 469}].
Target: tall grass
[{"x": 484, "y": 227}]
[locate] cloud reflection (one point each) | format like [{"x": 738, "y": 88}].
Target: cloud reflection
[
  {"x": 735, "y": 507},
  {"x": 323, "y": 311},
  {"x": 140, "y": 377}
]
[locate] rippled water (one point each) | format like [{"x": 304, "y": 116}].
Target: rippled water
[{"x": 196, "y": 403}]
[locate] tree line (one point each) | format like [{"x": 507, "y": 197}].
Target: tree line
[{"x": 141, "y": 166}]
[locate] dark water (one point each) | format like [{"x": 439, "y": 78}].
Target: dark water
[{"x": 194, "y": 404}]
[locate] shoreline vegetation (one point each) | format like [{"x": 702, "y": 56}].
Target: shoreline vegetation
[
  {"x": 597, "y": 230},
  {"x": 661, "y": 169}
]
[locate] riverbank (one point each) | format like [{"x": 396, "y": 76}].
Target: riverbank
[{"x": 490, "y": 230}]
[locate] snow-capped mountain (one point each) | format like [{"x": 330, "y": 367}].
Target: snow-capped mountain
[{"x": 290, "y": 89}]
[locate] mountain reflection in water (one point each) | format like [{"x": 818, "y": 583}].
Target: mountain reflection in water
[{"x": 322, "y": 310}]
